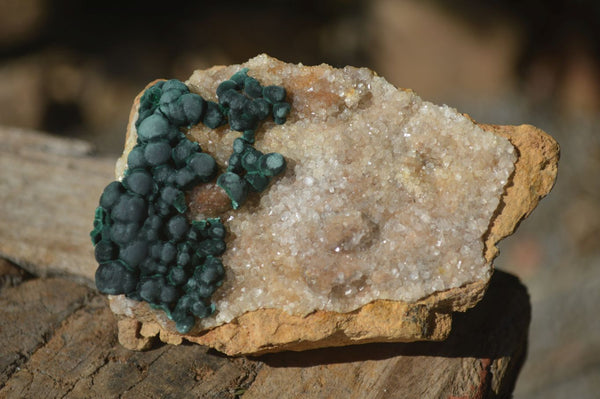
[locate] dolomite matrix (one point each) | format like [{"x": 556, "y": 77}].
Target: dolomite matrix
[{"x": 375, "y": 231}]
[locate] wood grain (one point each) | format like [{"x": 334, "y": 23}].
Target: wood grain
[
  {"x": 60, "y": 340},
  {"x": 49, "y": 189}
]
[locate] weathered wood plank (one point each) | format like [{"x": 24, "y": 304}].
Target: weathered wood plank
[
  {"x": 82, "y": 358},
  {"x": 49, "y": 188},
  {"x": 29, "y": 314}
]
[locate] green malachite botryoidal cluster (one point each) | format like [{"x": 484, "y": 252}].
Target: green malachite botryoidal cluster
[{"x": 146, "y": 247}]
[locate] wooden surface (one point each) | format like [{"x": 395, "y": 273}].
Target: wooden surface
[
  {"x": 49, "y": 187},
  {"x": 58, "y": 337}
]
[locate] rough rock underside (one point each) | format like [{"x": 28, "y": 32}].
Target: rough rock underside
[{"x": 376, "y": 231}]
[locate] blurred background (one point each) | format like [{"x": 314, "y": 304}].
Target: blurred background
[{"x": 72, "y": 68}]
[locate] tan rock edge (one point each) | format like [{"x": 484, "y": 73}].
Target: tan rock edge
[{"x": 430, "y": 318}]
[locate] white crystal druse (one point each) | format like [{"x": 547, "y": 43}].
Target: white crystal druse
[{"x": 386, "y": 196}]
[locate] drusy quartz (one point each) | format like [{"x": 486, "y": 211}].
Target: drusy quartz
[{"x": 386, "y": 196}]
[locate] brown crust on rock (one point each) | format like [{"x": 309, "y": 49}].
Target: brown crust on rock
[
  {"x": 533, "y": 178},
  {"x": 273, "y": 330}
]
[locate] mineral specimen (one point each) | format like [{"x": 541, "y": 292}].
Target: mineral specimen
[{"x": 375, "y": 231}]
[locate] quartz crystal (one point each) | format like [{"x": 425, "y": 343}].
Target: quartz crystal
[{"x": 386, "y": 196}]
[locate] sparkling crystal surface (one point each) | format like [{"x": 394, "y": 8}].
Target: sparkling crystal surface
[{"x": 386, "y": 196}]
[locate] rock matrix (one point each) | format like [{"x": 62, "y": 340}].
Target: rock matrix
[{"x": 383, "y": 223}]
